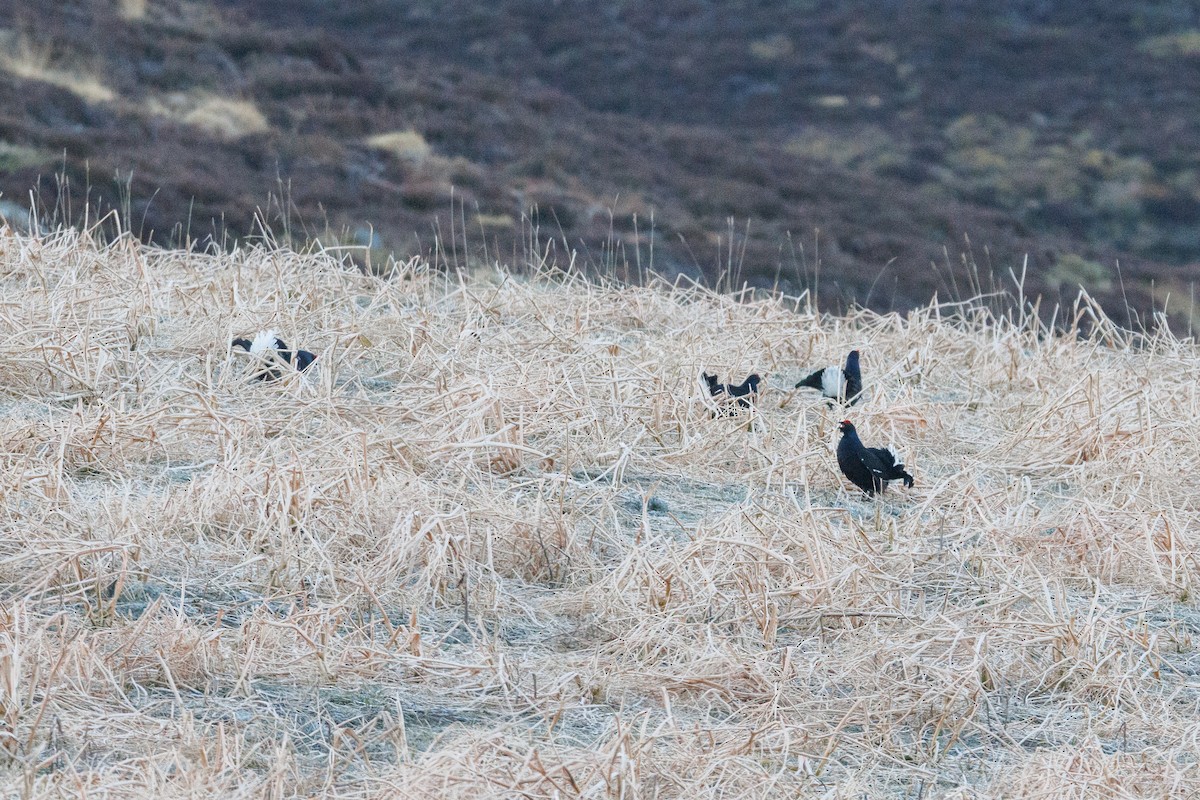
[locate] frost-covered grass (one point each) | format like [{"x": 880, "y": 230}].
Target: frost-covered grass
[{"x": 496, "y": 545}]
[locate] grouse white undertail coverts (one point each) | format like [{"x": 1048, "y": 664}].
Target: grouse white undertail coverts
[
  {"x": 264, "y": 341},
  {"x": 833, "y": 382}
]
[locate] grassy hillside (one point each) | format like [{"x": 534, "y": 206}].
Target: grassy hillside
[
  {"x": 496, "y": 545},
  {"x": 835, "y": 146}
]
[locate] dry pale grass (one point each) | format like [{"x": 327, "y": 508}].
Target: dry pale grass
[
  {"x": 25, "y": 59},
  {"x": 407, "y": 145},
  {"x": 496, "y": 545},
  {"x": 227, "y": 118},
  {"x": 132, "y": 9}
]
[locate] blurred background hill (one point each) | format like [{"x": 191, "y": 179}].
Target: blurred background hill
[{"x": 847, "y": 147}]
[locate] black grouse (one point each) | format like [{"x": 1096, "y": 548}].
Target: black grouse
[
  {"x": 744, "y": 392},
  {"x": 868, "y": 468},
  {"x": 842, "y": 384},
  {"x": 271, "y": 350}
]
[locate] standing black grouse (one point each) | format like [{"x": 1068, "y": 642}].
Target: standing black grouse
[
  {"x": 868, "y": 468},
  {"x": 744, "y": 392},
  {"x": 842, "y": 384},
  {"x": 271, "y": 350}
]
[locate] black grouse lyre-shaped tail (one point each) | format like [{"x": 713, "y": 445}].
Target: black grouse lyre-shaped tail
[
  {"x": 868, "y": 468},
  {"x": 891, "y": 470},
  {"x": 813, "y": 381}
]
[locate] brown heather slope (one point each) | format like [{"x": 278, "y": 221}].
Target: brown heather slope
[
  {"x": 494, "y": 544},
  {"x": 1058, "y": 133}
]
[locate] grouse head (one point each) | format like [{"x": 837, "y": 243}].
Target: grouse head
[{"x": 304, "y": 359}]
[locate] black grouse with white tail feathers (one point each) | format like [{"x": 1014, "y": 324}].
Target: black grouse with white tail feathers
[
  {"x": 840, "y": 384},
  {"x": 272, "y": 353},
  {"x": 868, "y": 468},
  {"x": 743, "y": 392}
]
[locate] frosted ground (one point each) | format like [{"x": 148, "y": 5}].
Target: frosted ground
[{"x": 495, "y": 544}]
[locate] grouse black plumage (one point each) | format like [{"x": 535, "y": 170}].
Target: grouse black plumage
[
  {"x": 743, "y": 392},
  {"x": 842, "y": 384},
  {"x": 868, "y": 468},
  {"x": 271, "y": 350}
]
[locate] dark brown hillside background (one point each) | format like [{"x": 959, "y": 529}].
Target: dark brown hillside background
[{"x": 1065, "y": 131}]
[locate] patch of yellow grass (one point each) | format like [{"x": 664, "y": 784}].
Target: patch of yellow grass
[
  {"x": 408, "y": 145},
  {"x": 24, "y": 59},
  {"x": 19, "y": 156},
  {"x": 132, "y": 9},
  {"x": 867, "y": 148},
  {"x": 1073, "y": 270},
  {"x": 494, "y": 220},
  {"x": 1179, "y": 43},
  {"x": 224, "y": 117},
  {"x": 495, "y": 544},
  {"x": 772, "y": 48},
  {"x": 832, "y": 101}
]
